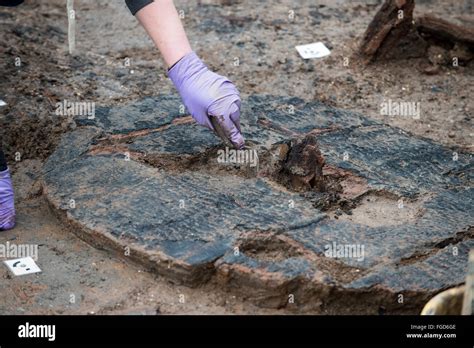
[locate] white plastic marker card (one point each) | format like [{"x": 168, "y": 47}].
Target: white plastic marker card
[
  {"x": 22, "y": 266},
  {"x": 314, "y": 50},
  {"x": 2, "y": 103}
]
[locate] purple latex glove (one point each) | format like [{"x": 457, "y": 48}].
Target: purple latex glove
[
  {"x": 208, "y": 95},
  {"x": 7, "y": 204}
]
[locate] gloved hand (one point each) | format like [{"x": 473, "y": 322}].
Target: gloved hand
[
  {"x": 208, "y": 95},
  {"x": 7, "y": 204}
]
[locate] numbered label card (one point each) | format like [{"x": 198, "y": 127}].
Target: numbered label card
[
  {"x": 22, "y": 266},
  {"x": 314, "y": 50}
]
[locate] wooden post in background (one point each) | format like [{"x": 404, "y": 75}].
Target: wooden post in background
[{"x": 71, "y": 32}]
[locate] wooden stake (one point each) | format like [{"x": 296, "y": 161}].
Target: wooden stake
[{"x": 71, "y": 33}]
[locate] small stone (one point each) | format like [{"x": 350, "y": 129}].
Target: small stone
[{"x": 432, "y": 70}]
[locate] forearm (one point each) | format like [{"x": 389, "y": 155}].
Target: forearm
[{"x": 162, "y": 23}]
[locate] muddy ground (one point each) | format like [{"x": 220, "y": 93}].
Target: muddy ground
[{"x": 250, "y": 42}]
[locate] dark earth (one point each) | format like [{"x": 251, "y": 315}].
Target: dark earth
[{"x": 171, "y": 230}]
